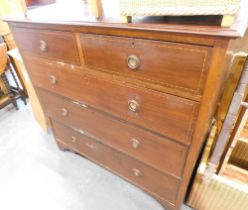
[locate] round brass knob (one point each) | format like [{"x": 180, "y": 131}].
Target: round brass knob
[
  {"x": 73, "y": 139},
  {"x": 64, "y": 112},
  {"x": 137, "y": 172},
  {"x": 135, "y": 143},
  {"x": 43, "y": 46},
  {"x": 53, "y": 79},
  {"x": 133, "y": 62},
  {"x": 133, "y": 105}
]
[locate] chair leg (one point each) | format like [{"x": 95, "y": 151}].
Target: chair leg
[
  {"x": 20, "y": 91},
  {"x": 10, "y": 67},
  {"x": 14, "y": 102},
  {"x": 23, "y": 97},
  {"x": 11, "y": 95}
]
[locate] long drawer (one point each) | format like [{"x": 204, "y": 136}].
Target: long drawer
[
  {"x": 168, "y": 115},
  {"x": 152, "y": 149},
  {"x": 179, "y": 66},
  {"x": 140, "y": 174}
]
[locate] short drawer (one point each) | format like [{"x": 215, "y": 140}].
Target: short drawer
[
  {"x": 134, "y": 171},
  {"x": 168, "y": 115},
  {"x": 156, "y": 151},
  {"x": 174, "y": 65},
  {"x": 56, "y": 45}
]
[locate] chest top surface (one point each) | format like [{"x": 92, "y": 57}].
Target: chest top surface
[{"x": 79, "y": 14}]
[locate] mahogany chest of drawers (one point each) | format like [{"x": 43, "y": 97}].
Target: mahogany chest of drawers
[{"x": 135, "y": 98}]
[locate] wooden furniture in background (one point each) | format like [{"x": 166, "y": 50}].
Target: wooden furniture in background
[
  {"x": 9, "y": 40},
  {"x": 233, "y": 140},
  {"x": 225, "y": 8},
  {"x": 18, "y": 71},
  {"x": 4, "y": 99},
  {"x": 4, "y": 57},
  {"x": 13, "y": 93},
  {"x": 205, "y": 196},
  {"x": 33, "y": 99},
  {"x": 230, "y": 86},
  {"x": 233, "y": 110},
  {"x": 229, "y": 187},
  {"x": 10, "y": 7},
  {"x": 219, "y": 194},
  {"x": 128, "y": 96}
]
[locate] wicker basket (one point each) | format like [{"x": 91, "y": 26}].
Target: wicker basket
[{"x": 178, "y": 7}]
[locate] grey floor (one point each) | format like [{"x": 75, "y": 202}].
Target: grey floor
[{"x": 36, "y": 175}]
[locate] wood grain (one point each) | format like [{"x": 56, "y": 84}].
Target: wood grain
[
  {"x": 168, "y": 115},
  {"x": 56, "y": 43},
  {"x": 119, "y": 163},
  {"x": 211, "y": 96},
  {"x": 158, "y": 152},
  {"x": 163, "y": 63}
]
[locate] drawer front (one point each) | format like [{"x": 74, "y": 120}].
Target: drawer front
[
  {"x": 140, "y": 174},
  {"x": 158, "y": 152},
  {"x": 178, "y": 66},
  {"x": 59, "y": 46},
  {"x": 168, "y": 115}
]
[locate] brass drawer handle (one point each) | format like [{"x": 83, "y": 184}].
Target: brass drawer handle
[
  {"x": 73, "y": 139},
  {"x": 133, "y": 105},
  {"x": 43, "y": 46},
  {"x": 133, "y": 62},
  {"x": 53, "y": 79},
  {"x": 135, "y": 143},
  {"x": 64, "y": 112},
  {"x": 137, "y": 172}
]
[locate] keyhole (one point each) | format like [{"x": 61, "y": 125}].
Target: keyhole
[{"x": 133, "y": 45}]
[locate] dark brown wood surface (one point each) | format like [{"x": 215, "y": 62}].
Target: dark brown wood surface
[
  {"x": 158, "y": 152},
  {"x": 140, "y": 174},
  {"x": 96, "y": 89},
  {"x": 216, "y": 77},
  {"x": 168, "y": 115},
  {"x": 163, "y": 63},
  {"x": 60, "y": 46}
]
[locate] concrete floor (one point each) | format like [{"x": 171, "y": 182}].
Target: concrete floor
[{"x": 36, "y": 175}]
